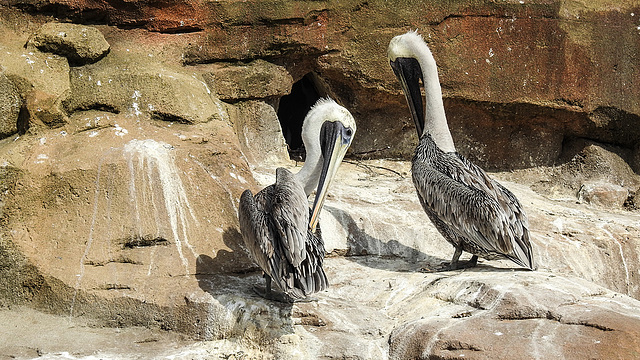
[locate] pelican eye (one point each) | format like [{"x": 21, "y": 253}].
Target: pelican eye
[{"x": 348, "y": 132}]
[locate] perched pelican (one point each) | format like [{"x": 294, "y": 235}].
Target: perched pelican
[
  {"x": 277, "y": 225},
  {"x": 472, "y": 211}
]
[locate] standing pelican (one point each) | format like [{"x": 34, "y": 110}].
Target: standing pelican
[
  {"x": 472, "y": 211},
  {"x": 277, "y": 225}
]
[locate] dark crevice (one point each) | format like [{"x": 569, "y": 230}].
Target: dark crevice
[
  {"x": 114, "y": 287},
  {"x": 292, "y": 110},
  {"x": 187, "y": 29},
  {"x": 162, "y": 116},
  {"x": 99, "y": 107},
  {"x": 549, "y": 315},
  {"x": 278, "y": 22},
  {"x": 454, "y": 345},
  {"x": 137, "y": 241},
  {"x": 121, "y": 260},
  {"x": 505, "y": 15},
  {"x": 23, "y": 119}
]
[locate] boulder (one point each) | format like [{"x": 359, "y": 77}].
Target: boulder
[
  {"x": 487, "y": 316},
  {"x": 135, "y": 84},
  {"x": 10, "y": 103},
  {"x": 256, "y": 80},
  {"x": 259, "y": 133},
  {"x": 42, "y": 81},
  {"x": 80, "y": 44},
  {"x": 603, "y": 194},
  {"x": 119, "y": 206}
]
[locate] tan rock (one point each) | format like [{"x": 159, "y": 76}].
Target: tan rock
[
  {"x": 80, "y": 44},
  {"x": 603, "y": 194},
  {"x": 133, "y": 84},
  {"x": 42, "y": 81},
  {"x": 256, "y": 80},
  {"x": 259, "y": 133},
  {"x": 45, "y": 109},
  {"x": 543, "y": 316},
  {"x": 10, "y": 103},
  {"x": 117, "y": 205}
]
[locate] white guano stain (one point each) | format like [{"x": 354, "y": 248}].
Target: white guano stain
[{"x": 155, "y": 162}]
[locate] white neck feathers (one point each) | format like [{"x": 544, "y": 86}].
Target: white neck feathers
[{"x": 411, "y": 45}]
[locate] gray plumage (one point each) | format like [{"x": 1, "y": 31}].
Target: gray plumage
[
  {"x": 275, "y": 227},
  {"x": 278, "y": 228},
  {"x": 472, "y": 211}
]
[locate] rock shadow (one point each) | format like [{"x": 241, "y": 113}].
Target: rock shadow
[
  {"x": 229, "y": 277},
  {"x": 361, "y": 245}
]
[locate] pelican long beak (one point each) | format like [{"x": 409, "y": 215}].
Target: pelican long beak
[
  {"x": 409, "y": 74},
  {"x": 335, "y": 139}
]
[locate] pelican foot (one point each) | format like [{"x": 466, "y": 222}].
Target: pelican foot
[{"x": 272, "y": 295}]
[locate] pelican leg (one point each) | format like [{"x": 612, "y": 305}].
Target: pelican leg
[
  {"x": 267, "y": 280},
  {"x": 455, "y": 263},
  {"x": 268, "y": 294}
]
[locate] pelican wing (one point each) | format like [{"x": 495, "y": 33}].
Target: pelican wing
[
  {"x": 290, "y": 213},
  {"x": 312, "y": 274},
  {"x": 274, "y": 226},
  {"x": 475, "y": 207},
  {"x": 256, "y": 228}
]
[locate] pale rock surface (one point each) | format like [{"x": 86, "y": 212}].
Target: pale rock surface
[
  {"x": 517, "y": 315},
  {"x": 259, "y": 132},
  {"x": 603, "y": 194},
  {"x": 80, "y": 44}
]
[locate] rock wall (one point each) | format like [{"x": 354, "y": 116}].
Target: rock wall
[
  {"x": 542, "y": 72},
  {"x": 129, "y": 130}
]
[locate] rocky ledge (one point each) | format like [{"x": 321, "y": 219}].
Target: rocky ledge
[{"x": 126, "y": 143}]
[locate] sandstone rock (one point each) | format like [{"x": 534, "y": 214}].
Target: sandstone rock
[
  {"x": 132, "y": 221},
  {"x": 46, "y": 108},
  {"x": 10, "y": 104},
  {"x": 256, "y": 80},
  {"x": 42, "y": 81},
  {"x": 259, "y": 133},
  {"x": 543, "y": 316},
  {"x": 136, "y": 202},
  {"x": 603, "y": 194},
  {"x": 507, "y": 91},
  {"x": 80, "y": 44},
  {"x": 134, "y": 84},
  {"x": 586, "y": 162},
  {"x": 34, "y": 69}
]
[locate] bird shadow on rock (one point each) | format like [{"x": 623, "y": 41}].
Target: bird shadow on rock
[
  {"x": 229, "y": 277},
  {"x": 367, "y": 250},
  {"x": 375, "y": 253}
]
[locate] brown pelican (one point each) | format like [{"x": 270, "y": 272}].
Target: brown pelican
[
  {"x": 472, "y": 211},
  {"x": 277, "y": 225}
]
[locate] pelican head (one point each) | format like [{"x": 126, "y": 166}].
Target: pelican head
[
  {"x": 327, "y": 132},
  {"x": 413, "y": 63}
]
